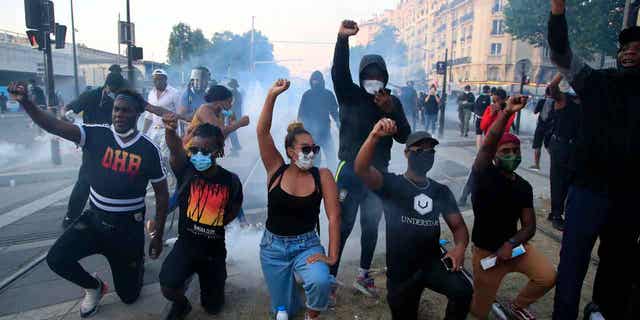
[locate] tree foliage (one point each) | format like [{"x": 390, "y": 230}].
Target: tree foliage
[
  {"x": 184, "y": 44},
  {"x": 593, "y": 24},
  {"x": 226, "y": 54}
]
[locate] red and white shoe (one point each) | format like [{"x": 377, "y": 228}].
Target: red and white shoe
[{"x": 521, "y": 313}]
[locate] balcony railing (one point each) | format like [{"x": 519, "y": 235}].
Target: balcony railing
[{"x": 466, "y": 17}]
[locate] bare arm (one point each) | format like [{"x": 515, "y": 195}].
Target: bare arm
[
  {"x": 460, "y": 238},
  {"x": 490, "y": 146},
  {"x": 162, "y": 203},
  {"x": 363, "y": 168},
  {"x": 160, "y": 111},
  {"x": 271, "y": 158},
  {"x": 332, "y": 208},
  {"x": 44, "y": 119},
  {"x": 178, "y": 157}
]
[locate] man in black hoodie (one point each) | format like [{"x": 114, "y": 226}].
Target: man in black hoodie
[
  {"x": 606, "y": 161},
  {"x": 316, "y": 106},
  {"x": 361, "y": 107}
]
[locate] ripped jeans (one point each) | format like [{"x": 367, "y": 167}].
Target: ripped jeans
[{"x": 280, "y": 256}]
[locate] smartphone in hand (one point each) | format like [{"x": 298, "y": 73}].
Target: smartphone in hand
[{"x": 448, "y": 263}]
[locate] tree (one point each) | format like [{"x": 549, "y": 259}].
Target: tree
[
  {"x": 593, "y": 24},
  {"x": 185, "y": 44},
  {"x": 385, "y": 43}
]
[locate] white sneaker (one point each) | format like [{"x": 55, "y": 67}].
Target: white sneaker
[{"x": 92, "y": 297}]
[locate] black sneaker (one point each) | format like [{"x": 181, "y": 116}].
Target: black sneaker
[{"x": 179, "y": 311}]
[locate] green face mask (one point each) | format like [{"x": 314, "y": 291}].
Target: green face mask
[{"x": 509, "y": 163}]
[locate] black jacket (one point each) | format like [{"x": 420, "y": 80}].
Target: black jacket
[
  {"x": 316, "y": 105},
  {"x": 608, "y": 143},
  {"x": 358, "y": 112},
  {"x": 96, "y": 107}
]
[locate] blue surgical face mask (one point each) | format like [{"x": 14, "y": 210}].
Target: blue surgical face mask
[
  {"x": 227, "y": 113},
  {"x": 201, "y": 162}
]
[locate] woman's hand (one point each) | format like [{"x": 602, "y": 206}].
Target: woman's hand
[
  {"x": 321, "y": 257},
  {"x": 280, "y": 86}
]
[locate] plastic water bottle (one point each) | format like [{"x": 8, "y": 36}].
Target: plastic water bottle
[{"x": 282, "y": 313}]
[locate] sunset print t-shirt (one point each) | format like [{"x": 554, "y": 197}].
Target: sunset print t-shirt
[{"x": 204, "y": 203}]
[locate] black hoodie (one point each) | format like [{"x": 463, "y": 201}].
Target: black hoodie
[
  {"x": 316, "y": 105},
  {"x": 608, "y": 144},
  {"x": 358, "y": 112}
]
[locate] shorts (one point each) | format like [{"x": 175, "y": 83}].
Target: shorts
[
  {"x": 538, "y": 138},
  {"x": 478, "y": 130},
  {"x": 184, "y": 261}
]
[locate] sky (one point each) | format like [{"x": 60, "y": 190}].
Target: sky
[{"x": 280, "y": 20}]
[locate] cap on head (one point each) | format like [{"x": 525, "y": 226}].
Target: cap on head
[
  {"x": 509, "y": 138},
  {"x": 159, "y": 72},
  {"x": 114, "y": 81},
  {"x": 628, "y": 35},
  {"x": 486, "y": 89},
  {"x": 467, "y": 87},
  {"x": 419, "y": 136},
  {"x": 115, "y": 68}
]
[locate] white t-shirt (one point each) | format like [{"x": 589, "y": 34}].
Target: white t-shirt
[{"x": 169, "y": 99}]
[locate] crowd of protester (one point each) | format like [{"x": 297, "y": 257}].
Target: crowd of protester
[{"x": 589, "y": 127}]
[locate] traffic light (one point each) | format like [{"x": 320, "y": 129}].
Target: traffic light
[
  {"x": 61, "y": 35},
  {"x": 33, "y": 13},
  {"x": 135, "y": 53},
  {"x": 35, "y": 39}
]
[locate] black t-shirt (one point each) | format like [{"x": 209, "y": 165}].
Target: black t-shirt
[
  {"x": 119, "y": 172},
  {"x": 431, "y": 106},
  {"x": 481, "y": 104},
  {"x": 412, "y": 214},
  {"x": 565, "y": 121},
  {"x": 497, "y": 206},
  {"x": 204, "y": 203},
  {"x": 95, "y": 106}
]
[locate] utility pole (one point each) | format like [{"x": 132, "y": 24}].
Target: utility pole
[
  {"x": 252, "y": 44},
  {"x": 523, "y": 79},
  {"x": 131, "y": 74},
  {"x": 51, "y": 94},
  {"x": 75, "y": 58},
  {"x": 443, "y": 102},
  {"x": 119, "y": 44}
]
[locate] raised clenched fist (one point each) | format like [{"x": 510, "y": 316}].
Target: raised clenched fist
[{"x": 348, "y": 28}]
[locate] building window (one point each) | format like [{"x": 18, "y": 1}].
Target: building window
[
  {"x": 496, "y": 49},
  {"x": 497, "y": 27},
  {"x": 497, "y": 6},
  {"x": 493, "y": 73}
]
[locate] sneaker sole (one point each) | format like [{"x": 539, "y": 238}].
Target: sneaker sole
[
  {"x": 105, "y": 289},
  {"x": 364, "y": 290}
]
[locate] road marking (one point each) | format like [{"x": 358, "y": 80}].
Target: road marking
[{"x": 32, "y": 207}]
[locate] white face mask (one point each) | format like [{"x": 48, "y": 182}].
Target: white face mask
[
  {"x": 305, "y": 162},
  {"x": 372, "y": 86}
]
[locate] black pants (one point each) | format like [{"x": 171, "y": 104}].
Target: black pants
[
  {"x": 186, "y": 259},
  {"x": 466, "y": 190},
  {"x": 404, "y": 297},
  {"x": 117, "y": 237},
  {"x": 617, "y": 274},
  {"x": 560, "y": 176},
  {"x": 80, "y": 193},
  {"x": 354, "y": 195}
]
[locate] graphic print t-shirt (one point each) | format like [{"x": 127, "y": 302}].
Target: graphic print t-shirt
[
  {"x": 119, "y": 172},
  {"x": 204, "y": 203},
  {"x": 412, "y": 215}
]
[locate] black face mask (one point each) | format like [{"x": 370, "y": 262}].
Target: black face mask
[{"x": 420, "y": 162}]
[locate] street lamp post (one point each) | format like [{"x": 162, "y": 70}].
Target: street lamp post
[
  {"x": 443, "y": 102},
  {"x": 75, "y": 59},
  {"x": 130, "y": 72}
]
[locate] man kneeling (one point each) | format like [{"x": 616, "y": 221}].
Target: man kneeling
[
  {"x": 209, "y": 198},
  {"x": 413, "y": 205}
]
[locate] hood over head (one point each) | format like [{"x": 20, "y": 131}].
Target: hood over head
[
  {"x": 373, "y": 60},
  {"x": 317, "y": 75}
]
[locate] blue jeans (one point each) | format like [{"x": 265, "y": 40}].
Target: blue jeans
[
  {"x": 353, "y": 195},
  {"x": 430, "y": 122},
  {"x": 280, "y": 256},
  {"x": 586, "y": 214}
]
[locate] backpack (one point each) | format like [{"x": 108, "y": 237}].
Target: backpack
[
  {"x": 481, "y": 105},
  {"x": 315, "y": 172}
]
